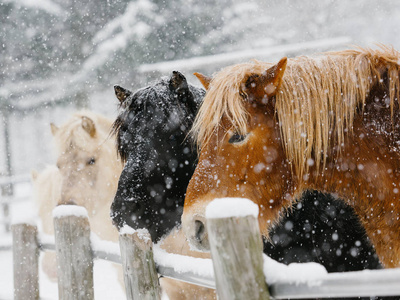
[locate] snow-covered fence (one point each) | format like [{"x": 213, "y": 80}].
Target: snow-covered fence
[
  {"x": 26, "y": 261},
  {"x": 73, "y": 252},
  {"x": 140, "y": 274},
  {"x": 236, "y": 277},
  {"x": 230, "y": 249}
]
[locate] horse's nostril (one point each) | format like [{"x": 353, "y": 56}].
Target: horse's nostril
[
  {"x": 68, "y": 202},
  {"x": 200, "y": 230}
]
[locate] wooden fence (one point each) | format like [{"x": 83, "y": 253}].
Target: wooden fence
[{"x": 236, "y": 277}]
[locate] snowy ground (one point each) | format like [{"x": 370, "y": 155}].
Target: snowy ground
[
  {"x": 105, "y": 281},
  {"x": 106, "y": 284}
]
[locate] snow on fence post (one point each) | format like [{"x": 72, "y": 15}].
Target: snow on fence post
[
  {"x": 140, "y": 275},
  {"x": 74, "y": 253},
  {"x": 26, "y": 261},
  {"x": 232, "y": 228}
]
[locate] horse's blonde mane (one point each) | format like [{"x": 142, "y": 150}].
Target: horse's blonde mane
[
  {"x": 72, "y": 133},
  {"x": 316, "y": 103}
]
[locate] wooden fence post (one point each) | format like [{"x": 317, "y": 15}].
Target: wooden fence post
[
  {"x": 140, "y": 275},
  {"x": 74, "y": 253},
  {"x": 236, "y": 249},
  {"x": 26, "y": 261}
]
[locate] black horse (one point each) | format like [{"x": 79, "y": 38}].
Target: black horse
[
  {"x": 151, "y": 137},
  {"x": 151, "y": 133}
]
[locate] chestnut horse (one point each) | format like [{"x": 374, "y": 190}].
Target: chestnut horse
[{"x": 328, "y": 123}]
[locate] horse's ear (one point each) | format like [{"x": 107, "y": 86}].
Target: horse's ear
[
  {"x": 121, "y": 93},
  {"x": 53, "y": 128},
  {"x": 178, "y": 83},
  {"x": 88, "y": 126},
  {"x": 205, "y": 80},
  {"x": 180, "y": 88},
  {"x": 34, "y": 174},
  {"x": 274, "y": 77},
  {"x": 259, "y": 87}
]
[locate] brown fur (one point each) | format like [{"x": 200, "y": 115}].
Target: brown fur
[{"x": 332, "y": 126}]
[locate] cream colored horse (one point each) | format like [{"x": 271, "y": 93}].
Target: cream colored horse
[
  {"x": 89, "y": 167},
  {"x": 87, "y": 174}
]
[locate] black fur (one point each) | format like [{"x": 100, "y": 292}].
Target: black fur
[{"x": 151, "y": 135}]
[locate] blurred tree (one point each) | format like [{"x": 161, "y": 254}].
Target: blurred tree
[
  {"x": 59, "y": 51},
  {"x": 153, "y": 30}
]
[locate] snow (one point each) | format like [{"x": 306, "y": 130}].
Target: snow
[
  {"x": 142, "y": 233},
  {"x": 126, "y": 229},
  {"x": 106, "y": 282},
  {"x": 26, "y": 217},
  {"x": 126, "y": 23},
  {"x": 231, "y": 207},
  {"x": 48, "y": 61},
  {"x": 182, "y": 264},
  {"x": 306, "y": 277},
  {"x": 241, "y": 56},
  {"x": 297, "y": 273},
  {"x": 45, "y": 238},
  {"x": 69, "y": 210},
  {"x": 45, "y": 5},
  {"x": 105, "y": 249}
]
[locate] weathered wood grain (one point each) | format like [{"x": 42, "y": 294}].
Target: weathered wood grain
[
  {"x": 140, "y": 275},
  {"x": 74, "y": 258},
  {"x": 25, "y": 261},
  {"x": 236, "y": 250}
]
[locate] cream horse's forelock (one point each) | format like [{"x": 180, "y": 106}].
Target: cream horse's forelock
[
  {"x": 316, "y": 103},
  {"x": 73, "y": 135}
]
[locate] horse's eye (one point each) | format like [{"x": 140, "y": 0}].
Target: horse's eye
[
  {"x": 237, "y": 138},
  {"x": 91, "y": 161}
]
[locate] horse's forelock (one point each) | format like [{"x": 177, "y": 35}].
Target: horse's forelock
[
  {"x": 223, "y": 99},
  {"x": 135, "y": 102},
  {"x": 72, "y": 133}
]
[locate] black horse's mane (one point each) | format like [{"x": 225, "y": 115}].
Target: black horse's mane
[
  {"x": 150, "y": 95},
  {"x": 132, "y": 106}
]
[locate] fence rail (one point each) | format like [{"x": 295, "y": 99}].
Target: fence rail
[
  {"x": 245, "y": 55},
  {"x": 27, "y": 242}
]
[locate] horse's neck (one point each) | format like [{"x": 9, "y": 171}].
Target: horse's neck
[{"x": 367, "y": 177}]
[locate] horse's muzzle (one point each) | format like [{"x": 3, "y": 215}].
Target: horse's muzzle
[{"x": 196, "y": 233}]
